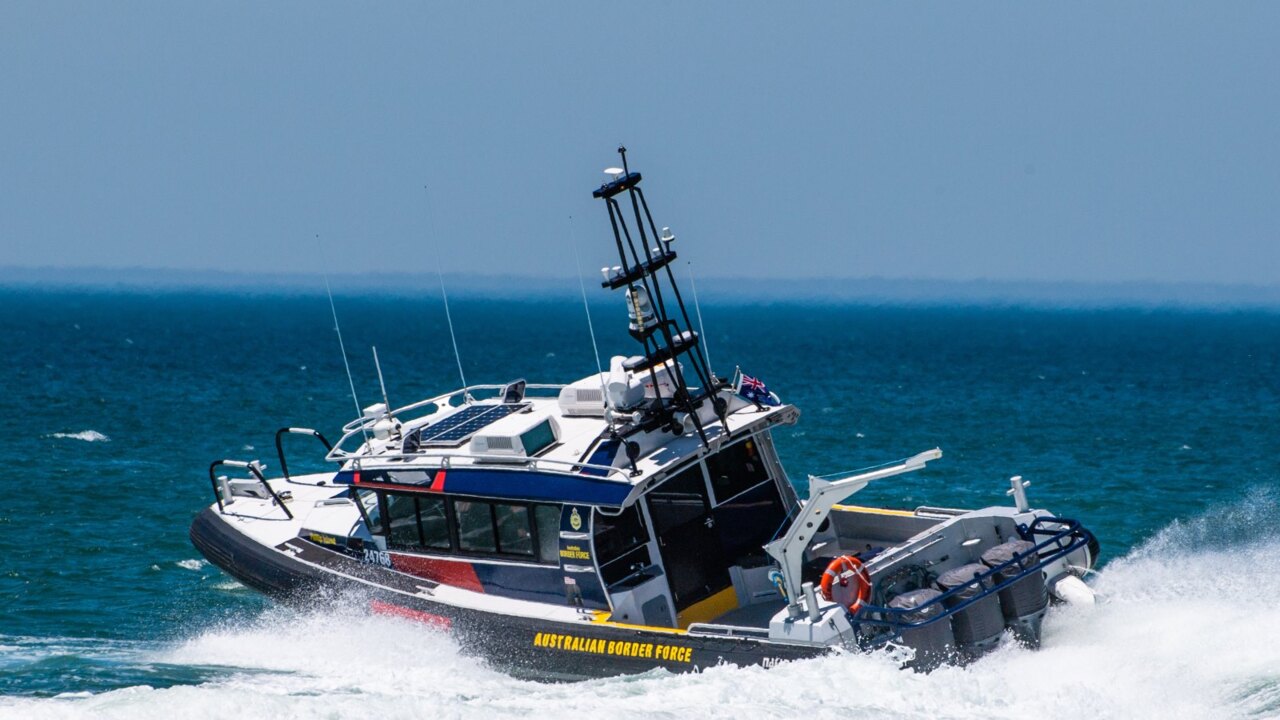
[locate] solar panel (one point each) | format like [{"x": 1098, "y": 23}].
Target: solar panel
[{"x": 455, "y": 429}]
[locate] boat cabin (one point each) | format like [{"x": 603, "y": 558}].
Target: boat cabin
[{"x": 687, "y": 548}]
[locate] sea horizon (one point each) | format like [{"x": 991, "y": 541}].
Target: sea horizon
[{"x": 721, "y": 290}]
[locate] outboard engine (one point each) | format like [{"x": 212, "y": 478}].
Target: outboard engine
[
  {"x": 1025, "y": 602},
  {"x": 977, "y": 628},
  {"x": 934, "y": 643}
]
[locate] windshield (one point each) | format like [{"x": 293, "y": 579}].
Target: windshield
[{"x": 369, "y": 508}]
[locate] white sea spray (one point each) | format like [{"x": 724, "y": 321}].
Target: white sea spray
[
  {"x": 85, "y": 435},
  {"x": 1186, "y": 632}
]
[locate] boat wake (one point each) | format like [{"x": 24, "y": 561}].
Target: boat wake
[{"x": 1187, "y": 630}]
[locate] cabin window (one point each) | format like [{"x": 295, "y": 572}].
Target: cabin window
[
  {"x": 402, "y": 521},
  {"x": 749, "y": 520},
  {"x": 397, "y": 476},
  {"x": 415, "y": 522},
  {"x": 422, "y": 522},
  {"x": 434, "y": 522},
  {"x": 679, "y": 500},
  {"x": 547, "y": 519},
  {"x": 370, "y": 509},
  {"x": 515, "y": 536},
  {"x": 736, "y": 469},
  {"x": 620, "y": 544},
  {"x": 475, "y": 526}
]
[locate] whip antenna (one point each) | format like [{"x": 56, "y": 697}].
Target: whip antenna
[
  {"x": 445, "y": 295},
  {"x": 697, "y": 309},
  {"x": 341, "y": 345},
  {"x": 378, "y": 365},
  {"x": 591, "y": 328},
  {"x": 452, "y": 337}
]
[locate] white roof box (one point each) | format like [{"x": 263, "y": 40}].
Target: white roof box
[
  {"x": 516, "y": 437},
  {"x": 584, "y": 398},
  {"x": 626, "y": 390}
]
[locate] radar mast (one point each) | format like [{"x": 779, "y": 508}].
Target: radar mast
[{"x": 644, "y": 273}]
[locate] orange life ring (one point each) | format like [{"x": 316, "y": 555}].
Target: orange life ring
[{"x": 839, "y": 571}]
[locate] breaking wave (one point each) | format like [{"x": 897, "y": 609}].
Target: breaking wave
[
  {"x": 1187, "y": 630},
  {"x": 85, "y": 435}
]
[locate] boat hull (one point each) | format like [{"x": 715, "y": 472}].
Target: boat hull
[{"x": 303, "y": 574}]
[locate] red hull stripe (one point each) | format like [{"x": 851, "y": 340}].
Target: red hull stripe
[
  {"x": 457, "y": 573},
  {"x": 435, "y": 621},
  {"x": 438, "y": 485}
]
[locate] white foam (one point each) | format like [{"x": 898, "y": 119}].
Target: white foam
[
  {"x": 191, "y": 564},
  {"x": 1188, "y": 631},
  {"x": 85, "y": 435}
]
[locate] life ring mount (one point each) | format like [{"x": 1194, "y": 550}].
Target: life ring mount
[{"x": 839, "y": 573}]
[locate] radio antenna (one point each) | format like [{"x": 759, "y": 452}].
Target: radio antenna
[
  {"x": 386, "y": 403},
  {"x": 591, "y": 328},
  {"x": 445, "y": 295},
  {"x": 341, "y": 345},
  {"x": 697, "y": 309}
]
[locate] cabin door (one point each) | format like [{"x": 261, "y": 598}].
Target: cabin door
[{"x": 686, "y": 533}]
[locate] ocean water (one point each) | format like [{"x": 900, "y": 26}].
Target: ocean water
[{"x": 1155, "y": 428}]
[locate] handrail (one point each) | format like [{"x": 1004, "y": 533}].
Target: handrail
[
  {"x": 730, "y": 631},
  {"x": 254, "y": 467},
  {"x": 359, "y": 426},
  {"x": 893, "y": 619},
  {"x": 284, "y": 466},
  {"x": 461, "y": 392},
  {"x": 445, "y": 458}
]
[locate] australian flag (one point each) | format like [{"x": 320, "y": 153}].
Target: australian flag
[{"x": 755, "y": 391}]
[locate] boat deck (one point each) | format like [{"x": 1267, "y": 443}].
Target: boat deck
[{"x": 756, "y": 615}]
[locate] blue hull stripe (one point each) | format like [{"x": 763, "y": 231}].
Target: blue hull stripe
[{"x": 524, "y": 485}]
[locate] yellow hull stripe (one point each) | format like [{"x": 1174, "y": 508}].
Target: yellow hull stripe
[
  {"x": 701, "y": 611},
  {"x": 873, "y": 511},
  {"x": 601, "y": 617},
  {"x": 708, "y": 609}
]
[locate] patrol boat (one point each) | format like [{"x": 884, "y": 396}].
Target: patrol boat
[{"x": 638, "y": 518}]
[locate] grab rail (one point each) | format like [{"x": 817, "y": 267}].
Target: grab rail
[
  {"x": 284, "y": 466},
  {"x": 554, "y": 465},
  {"x": 357, "y": 428},
  {"x": 253, "y": 467},
  {"x": 727, "y": 631},
  {"x": 1072, "y": 533},
  {"x": 465, "y": 393}
]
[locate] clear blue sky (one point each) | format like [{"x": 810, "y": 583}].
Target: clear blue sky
[{"x": 1041, "y": 141}]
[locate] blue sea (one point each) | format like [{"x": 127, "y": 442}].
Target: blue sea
[{"x": 1156, "y": 428}]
